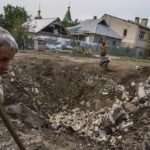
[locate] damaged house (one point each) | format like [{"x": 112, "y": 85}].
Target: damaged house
[
  {"x": 134, "y": 33},
  {"x": 95, "y": 31},
  {"x": 46, "y": 33}
]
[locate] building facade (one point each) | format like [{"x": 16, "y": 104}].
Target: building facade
[
  {"x": 95, "y": 31},
  {"x": 133, "y": 33}
]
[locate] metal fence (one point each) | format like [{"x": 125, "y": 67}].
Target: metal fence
[
  {"x": 93, "y": 48},
  {"x": 120, "y": 51}
]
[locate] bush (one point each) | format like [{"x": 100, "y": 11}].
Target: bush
[{"x": 83, "y": 52}]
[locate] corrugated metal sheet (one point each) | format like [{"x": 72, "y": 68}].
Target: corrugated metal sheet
[
  {"x": 37, "y": 25},
  {"x": 96, "y": 27}
]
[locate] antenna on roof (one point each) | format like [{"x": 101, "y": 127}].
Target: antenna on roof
[
  {"x": 69, "y": 3},
  {"x": 39, "y": 13}
]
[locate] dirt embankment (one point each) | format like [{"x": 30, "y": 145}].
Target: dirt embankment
[{"x": 51, "y": 83}]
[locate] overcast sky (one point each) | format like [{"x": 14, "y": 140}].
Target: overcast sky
[{"x": 83, "y": 9}]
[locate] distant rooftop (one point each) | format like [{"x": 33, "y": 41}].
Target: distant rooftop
[
  {"x": 37, "y": 25},
  {"x": 95, "y": 26},
  {"x": 131, "y": 21}
]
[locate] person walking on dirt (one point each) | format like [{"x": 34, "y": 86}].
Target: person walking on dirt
[
  {"x": 104, "y": 60},
  {"x": 103, "y": 49},
  {"x": 8, "y": 49}
]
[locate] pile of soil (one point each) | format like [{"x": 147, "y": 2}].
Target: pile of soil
[{"x": 50, "y": 83}]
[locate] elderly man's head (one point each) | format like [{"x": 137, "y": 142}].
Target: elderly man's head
[{"x": 8, "y": 49}]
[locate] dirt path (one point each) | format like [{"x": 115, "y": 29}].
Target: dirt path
[
  {"x": 118, "y": 68},
  {"x": 115, "y": 62}
]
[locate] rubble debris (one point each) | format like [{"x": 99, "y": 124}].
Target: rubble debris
[
  {"x": 26, "y": 115},
  {"x": 94, "y": 123},
  {"x": 141, "y": 91},
  {"x": 85, "y": 108}
]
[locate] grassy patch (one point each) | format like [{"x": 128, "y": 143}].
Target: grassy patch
[{"x": 130, "y": 58}]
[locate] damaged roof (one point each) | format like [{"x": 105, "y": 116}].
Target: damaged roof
[
  {"x": 37, "y": 25},
  {"x": 95, "y": 26}
]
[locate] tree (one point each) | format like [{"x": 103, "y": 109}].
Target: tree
[
  {"x": 2, "y": 23},
  {"x": 19, "y": 33},
  {"x": 13, "y": 14},
  {"x": 12, "y": 20},
  {"x": 69, "y": 24}
]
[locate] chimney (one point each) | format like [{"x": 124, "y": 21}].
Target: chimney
[
  {"x": 144, "y": 22},
  {"x": 95, "y": 17},
  {"x": 137, "y": 20}
]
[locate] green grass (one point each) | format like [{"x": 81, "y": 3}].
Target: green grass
[{"x": 131, "y": 58}]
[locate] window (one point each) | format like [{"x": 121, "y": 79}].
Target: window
[
  {"x": 56, "y": 31},
  {"x": 141, "y": 35},
  {"x": 125, "y": 32},
  {"x": 114, "y": 43},
  {"x": 101, "y": 40}
]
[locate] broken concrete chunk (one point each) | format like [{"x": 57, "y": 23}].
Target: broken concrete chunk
[
  {"x": 130, "y": 107},
  {"x": 25, "y": 114},
  {"x": 133, "y": 84},
  {"x": 104, "y": 93},
  {"x": 12, "y": 79},
  {"x": 78, "y": 126},
  {"x": 126, "y": 125},
  {"x": 12, "y": 74},
  {"x": 113, "y": 140},
  {"x": 98, "y": 121},
  {"x": 103, "y": 135},
  {"x": 97, "y": 105},
  {"x": 115, "y": 112},
  {"x": 125, "y": 96},
  {"x": 141, "y": 91}
]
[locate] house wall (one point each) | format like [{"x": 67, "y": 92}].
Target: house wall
[
  {"x": 131, "y": 40},
  {"x": 140, "y": 43},
  {"x": 98, "y": 38},
  {"x": 39, "y": 44},
  {"x": 90, "y": 38}
]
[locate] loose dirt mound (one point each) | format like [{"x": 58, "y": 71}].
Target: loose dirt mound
[{"x": 51, "y": 83}]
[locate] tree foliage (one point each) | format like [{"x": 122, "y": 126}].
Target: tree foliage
[
  {"x": 12, "y": 20},
  {"x": 70, "y": 24},
  {"x": 2, "y": 23},
  {"x": 13, "y": 14}
]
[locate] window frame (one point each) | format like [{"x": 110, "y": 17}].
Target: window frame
[
  {"x": 125, "y": 32},
  {"x": 142, "y": 35}
]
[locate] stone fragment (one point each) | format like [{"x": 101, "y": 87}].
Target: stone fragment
[
  {"x": 130, "y": 107},
  {"x": 103, "y": 135},
  {"x": 115, "y": 112},
  {"x": 141, "y": 91},
  {"x": 133, "y": 84},
  {"x": 25, "y": 114},
  {"x": 97, "y": 105},
  {"x": 98, "y": 121},
  {"x": 126, "y": 125}
]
